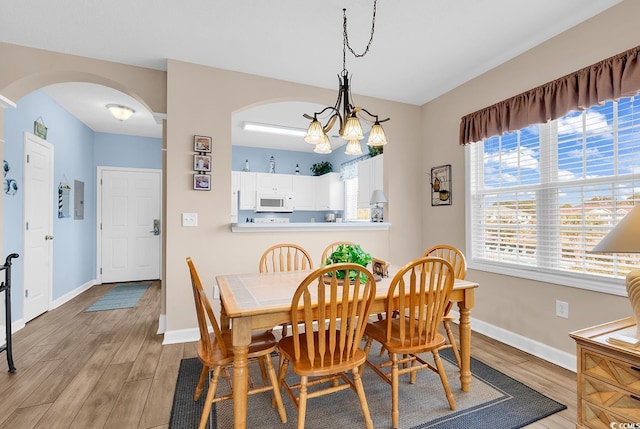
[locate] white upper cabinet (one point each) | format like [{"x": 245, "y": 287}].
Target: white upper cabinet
[
  {"x": 270, "y": 183},
  {"x": 370, "y": 174},
  {"x": 247, "y": 191},
  {"x": 304, "y": 192},
  {"x": 329, "y": 191}
]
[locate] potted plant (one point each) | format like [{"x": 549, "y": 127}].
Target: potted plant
[
  {"x": 349, "y": 253},
  {"x": 320, "y": 168}
]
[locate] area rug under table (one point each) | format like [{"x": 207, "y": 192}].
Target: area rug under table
[
  {"x": 124, "y": 295},
  {"x": 495, "y": 401}
]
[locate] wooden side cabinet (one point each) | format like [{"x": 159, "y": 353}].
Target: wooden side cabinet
[{"x": 608, "y": 377}]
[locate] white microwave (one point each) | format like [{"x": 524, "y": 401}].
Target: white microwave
[{"x": 274, "y": 203}]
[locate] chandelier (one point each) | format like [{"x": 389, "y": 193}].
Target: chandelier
[{"x": 343, "y": 111}]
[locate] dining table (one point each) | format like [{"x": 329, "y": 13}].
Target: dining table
[{"x": 260, "y": 301}]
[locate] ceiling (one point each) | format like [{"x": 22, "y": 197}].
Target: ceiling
[{"x": 421, "y": 48}]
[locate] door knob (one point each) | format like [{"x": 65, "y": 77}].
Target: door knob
[{"x": 48, "y": 237}]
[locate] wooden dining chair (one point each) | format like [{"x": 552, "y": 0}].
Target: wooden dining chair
[
  {"x": 418, "y": 295},
  {"x": 330, "y": 249},
  {"x": 459, "y": 263},
  {"x": 285, "y": 257},
  {"x": 216, "y": 353},
  {"x": 327, "y": 346}
]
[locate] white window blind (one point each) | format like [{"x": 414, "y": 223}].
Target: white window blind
[{"x": 542, "y": 197}]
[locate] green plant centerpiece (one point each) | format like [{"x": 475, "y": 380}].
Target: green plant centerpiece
[
  {"x": 349, "y": 253},
  {"x": 320, "y": 168}
]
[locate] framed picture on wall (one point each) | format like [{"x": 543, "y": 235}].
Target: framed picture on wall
[
  {"x": 441, "y": 185},
  {"x": 202, "y": 162},
  {"x": 202, "y": 144},
  {"x": 202, "y": 182}
]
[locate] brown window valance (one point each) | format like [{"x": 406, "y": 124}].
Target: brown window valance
[{"x": 610, "y": 79}]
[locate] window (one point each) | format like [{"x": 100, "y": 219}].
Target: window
[
  {"x": 542, "y": 197},
  {"x": 352, "y": 212}
]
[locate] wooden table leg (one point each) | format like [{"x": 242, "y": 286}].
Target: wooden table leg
[
  {"x": 224, "y": 319},
  {"x": 241, "y": 334},
  {"x": 465, "y": 345}
]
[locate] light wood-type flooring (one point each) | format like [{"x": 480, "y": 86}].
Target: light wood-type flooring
[{"x": 109, "y": 369}]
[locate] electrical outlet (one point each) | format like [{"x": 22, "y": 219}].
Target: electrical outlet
[
  {"x": 562, "y": 309},
  {"x": 189, "y": 219}
]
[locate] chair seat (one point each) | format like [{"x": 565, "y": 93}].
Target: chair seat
[
  {"x": 261, "y": 343},
  {"x": 304, "y": 367},
  {"x": 377, "y": 330}
]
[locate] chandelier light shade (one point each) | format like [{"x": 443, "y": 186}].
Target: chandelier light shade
[
  {"x": 353, "y": 147},
  {"x": 625, "y": 238},
  {"x": 315, "y": 133},
  {"x": 343, "y": 112},
  {"x": 324, "y": 147},
  {"x": 120, "y": 112},
  {"x": 376, "y": 136}
]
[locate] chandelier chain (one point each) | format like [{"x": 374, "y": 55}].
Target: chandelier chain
[{"x": 345, "y": 36}]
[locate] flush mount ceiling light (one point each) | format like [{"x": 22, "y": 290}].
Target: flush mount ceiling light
[
  {"x": 346, "y": 114},
  {"x": 273, "y": 129},
  {"x": 120, "y": 112}
]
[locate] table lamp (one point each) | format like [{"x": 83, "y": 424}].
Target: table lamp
[
  {"x": 377, "y": 197},
  {"x": 625, "y": 238}
]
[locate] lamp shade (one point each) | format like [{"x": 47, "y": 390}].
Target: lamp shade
[
  {"x": 315, "y": 133},
  {"x": 353, "y": 129},
  {"x": 376, "y": 136},
  {"x": 624, "y": 238},
  {"x": 120, "y": 112},
  {"x": 377, "y": 196},
  {"x": 353, "y": 148},
  {"x": 324, "y": 146}
]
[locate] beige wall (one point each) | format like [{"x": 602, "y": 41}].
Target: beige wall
[
  {"x": 521, "y": 306},
  {"x": 201, "y": 100}
]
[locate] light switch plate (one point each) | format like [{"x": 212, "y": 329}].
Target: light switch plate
[{"x": 189, "y": 219}]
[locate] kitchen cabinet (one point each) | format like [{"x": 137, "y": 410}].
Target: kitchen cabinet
[
  {"x": 235, "y": 193},
  {"x": 370, "y": 174},
  {"x": 304, "y": 192},
  {"x": 247, "y": 191},
  {"x": 269, "y": 183},
  {"x": 329, "y": 192}
]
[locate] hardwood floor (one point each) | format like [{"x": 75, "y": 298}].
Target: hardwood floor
[{"x": 109, "y": 369}]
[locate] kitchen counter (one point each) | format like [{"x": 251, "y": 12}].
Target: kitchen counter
[{"x": 309, "y": 226}]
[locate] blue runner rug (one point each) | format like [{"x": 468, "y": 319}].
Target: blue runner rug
[{"x": 125, "y": 295}]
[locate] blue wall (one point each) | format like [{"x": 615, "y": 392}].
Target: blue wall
[{"x": 77, "y": 153}]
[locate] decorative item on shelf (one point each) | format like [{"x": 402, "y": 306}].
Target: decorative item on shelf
[
  {"x": 64, "y": 195},
  {"x": 246, "y": 165},
  {"x": 376, "y": 150},
  {"x": 39, "y": 128},
  {"x": 346, "y": 114},
  {"x": 377, "y": 198},
  {"x": 625, "y": 238},
  {"x": 348, "y": 253},
  {"x": 272, "y": 165},
  {"x": 441, "y": 185},
  {"x": 10, "y": 186},
  {"x": 379, "y": 267},
  {"x": 320, "y": 168},
  {"x": 120, "y": 112},
  {"x": 5, "y": 168},
  {"x": 202, "y": 144},
  {"x": 297, "y": 169},
  {"x": 202, "y": 162},
  {"x": 202, "y": 182}
]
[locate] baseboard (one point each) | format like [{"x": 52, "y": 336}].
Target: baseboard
[
  {"x": 162, "y": 324},
  {"x": 72, "y": 294},
  {"x": 181, "y": 336},
  {"x": 543, "y": 351}
]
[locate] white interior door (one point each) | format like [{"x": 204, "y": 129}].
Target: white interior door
[
  {"x": 130, "y": 225},
  {"x": 38, "y": 226}
]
